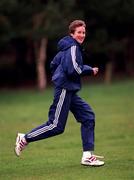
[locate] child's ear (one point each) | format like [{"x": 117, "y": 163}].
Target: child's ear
[{"x": 71, "y": 34}]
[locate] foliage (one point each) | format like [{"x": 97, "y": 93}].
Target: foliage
[
  {"x": 109, "y": 22},
  {"x": 106, "y": 21},
  {"x": 35, "y": 18},
  {"x": 117, "y": 10},
  {"x": 50, "y": 18}
]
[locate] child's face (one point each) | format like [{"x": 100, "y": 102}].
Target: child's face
[{"x": 79, "y": 34}]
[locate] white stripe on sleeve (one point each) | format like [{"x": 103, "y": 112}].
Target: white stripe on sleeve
[{"x": 75, "y": 64}]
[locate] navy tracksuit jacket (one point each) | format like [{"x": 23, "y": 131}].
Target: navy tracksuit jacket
[{"x": 67, "y": 68}]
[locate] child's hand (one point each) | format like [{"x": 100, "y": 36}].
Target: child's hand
[{"x": 95, "y": 70}]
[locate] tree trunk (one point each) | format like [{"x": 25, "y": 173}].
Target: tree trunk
[
  {"x": 109, "y": 68},
  {"x": 40, "y": 51}
]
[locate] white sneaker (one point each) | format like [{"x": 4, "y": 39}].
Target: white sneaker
[
  {"x": 92, "y": 161},
  {"x": 20, "y": 143}
]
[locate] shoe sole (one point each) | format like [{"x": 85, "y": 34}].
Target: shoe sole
[
  {"x": 92, "y": 165},
  {"x": 16, "y": 153},
  {"x": 16, "y": 145}
]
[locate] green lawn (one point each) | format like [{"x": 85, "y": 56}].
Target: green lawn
[{"x": 58, "y": 158}]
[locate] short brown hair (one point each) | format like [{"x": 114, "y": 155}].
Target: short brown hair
[{"x": 74, "y": 24}]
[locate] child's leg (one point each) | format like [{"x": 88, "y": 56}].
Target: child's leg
[
  {"x": 58, "y": 114},
  {"x": 85, "y": 115}
]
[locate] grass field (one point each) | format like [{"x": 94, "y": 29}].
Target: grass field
[{"x": 58, "y": 158}]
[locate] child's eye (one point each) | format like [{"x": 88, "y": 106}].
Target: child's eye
[{"x": 81, "y": 32}]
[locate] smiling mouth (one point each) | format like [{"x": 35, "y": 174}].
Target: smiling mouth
[{"x": 81, "y": 39}]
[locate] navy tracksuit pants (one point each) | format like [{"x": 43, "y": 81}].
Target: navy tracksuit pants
[{"x": 64, "y": 101}]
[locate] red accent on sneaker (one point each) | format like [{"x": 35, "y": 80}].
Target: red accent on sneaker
[{"x": 91, "y": 159}]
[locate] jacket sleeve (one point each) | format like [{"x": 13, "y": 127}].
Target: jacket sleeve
[
  {"x": 87, "y": 70},
  {"x": 73, "y": 63}
]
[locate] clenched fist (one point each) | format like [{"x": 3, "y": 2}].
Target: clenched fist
[{"x": 95, "y": 70}]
